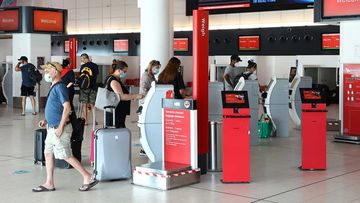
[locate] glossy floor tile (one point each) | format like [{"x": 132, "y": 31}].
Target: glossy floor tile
[{"x": 275, "y": 176}]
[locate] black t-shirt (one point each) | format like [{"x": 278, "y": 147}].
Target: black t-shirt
[
  {"x": 178, "y": 83},
  {"x": 93, "y": 71}
]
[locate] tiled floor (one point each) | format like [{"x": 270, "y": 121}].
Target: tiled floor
[{"x": 274, "y": 172}]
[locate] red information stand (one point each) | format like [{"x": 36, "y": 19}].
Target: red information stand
[
  {"x": 236, "y": 137},
  {"x": 313, "y": 130}
]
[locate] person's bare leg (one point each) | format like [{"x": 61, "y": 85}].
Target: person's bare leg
[
  {"x": 77, "y": 165},
  {"x": 92, "y": 107},
  {"x": 23, "y": 104},
  {"x": 84, "y": 111},
  {"x": 32, "y": 99},
  {"x": 49, "y": 160}
]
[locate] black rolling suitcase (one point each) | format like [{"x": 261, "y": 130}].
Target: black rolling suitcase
[{"x": 39, "y": 145}]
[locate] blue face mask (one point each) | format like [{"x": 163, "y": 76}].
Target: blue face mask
[
  {"x": 156, "y": 71},
  {"x": 123, "y": 75},
  {"x": 47, "y": 78}
]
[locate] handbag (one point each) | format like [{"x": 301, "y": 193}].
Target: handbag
[{"x": 105, "y": 97}]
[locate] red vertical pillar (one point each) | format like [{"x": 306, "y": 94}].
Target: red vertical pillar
[
  {"x": 72, "y": 52},
  {"x": 200, "y": 81}
]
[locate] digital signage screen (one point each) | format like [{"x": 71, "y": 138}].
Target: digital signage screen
[
  {"x": 181, "y": 44},
  {"x": 240, "y": 6},
  {"x": 48, "y": 21},
  {"x": 249, "y": 43},
  {"x": 121, "y": 45},
  {"x": 331, "y": 41},
  {"x": 340, "y": 8},
  {"x": 67, "y": 46},
  {"x": 9, "y": 20}
]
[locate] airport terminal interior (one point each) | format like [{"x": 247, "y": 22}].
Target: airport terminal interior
[{"x": 266, "y": 109}]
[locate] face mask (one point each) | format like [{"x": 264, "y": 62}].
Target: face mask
[
  {"x": 48, "y": 78},
  {"x": 156, "y": 71},
  {"x": 123, "y": 75}
]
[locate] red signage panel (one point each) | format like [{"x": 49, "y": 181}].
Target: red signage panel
[
  {"x": 177, "y": 143},
  {"x": 181, "y": 44},
  {"x": 247, "y": 43},
  {"x": 351, "y": 99},
  {"x": 336, "y": 8},
  {"x": 67, "y": 46},
  {"x": 9, "y": 20},
  {"x": 330, "y": 41},
  {"x": 121, "y": 45},
  {"x": 48, "y": 21}
]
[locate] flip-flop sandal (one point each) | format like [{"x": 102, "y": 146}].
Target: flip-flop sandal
[
  {"x": 42, "y": 189},
  {"x": 22, "y": 114},
  {"x": 86, "y": 187},
  {"x": 34, "y": 113}
]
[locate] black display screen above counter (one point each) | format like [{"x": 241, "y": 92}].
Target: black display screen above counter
[{"x": 255, "y": 5}]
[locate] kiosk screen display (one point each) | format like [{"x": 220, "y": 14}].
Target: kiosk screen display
[
  {"x": 309, "y": 95},
  {"x": 235, "y": 99}
]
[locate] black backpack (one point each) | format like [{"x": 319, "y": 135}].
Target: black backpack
[
  {"x": 35, "y": 74},
  {"x": 84, "y": 81}
]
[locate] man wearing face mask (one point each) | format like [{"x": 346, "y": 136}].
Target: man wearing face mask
[
  {"x": 113, "y": 83},
  {"x": 59, "y": 130},
  {"x": 229, "y": 73},
  {"x": 27, "y": 85}
]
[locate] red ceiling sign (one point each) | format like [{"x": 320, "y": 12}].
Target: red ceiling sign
[
  {"x": 249, "y": 43},
  {"x": 335, "y": 8},
  {"x": 331, "y": 41},
  {"x": 48, "y": 21},
  {"x": 9, "y": 20}
]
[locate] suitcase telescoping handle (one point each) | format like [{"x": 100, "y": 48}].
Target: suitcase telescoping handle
[{"x": 113, "y": 115}]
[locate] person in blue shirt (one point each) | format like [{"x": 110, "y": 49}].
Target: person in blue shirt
[
  {"x": 27, "y": 85},
  {"x": 59, "y": 130}
]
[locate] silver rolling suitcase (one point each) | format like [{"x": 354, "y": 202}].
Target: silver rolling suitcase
[{"x": 112, "y": 152}]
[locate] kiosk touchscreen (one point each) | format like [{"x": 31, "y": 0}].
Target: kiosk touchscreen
[
  {"x": 313, "y": 129},
  {"x": 236, "y": 137}
]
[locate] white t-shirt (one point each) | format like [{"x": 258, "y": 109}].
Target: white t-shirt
[{"x": 229, "y": 70}]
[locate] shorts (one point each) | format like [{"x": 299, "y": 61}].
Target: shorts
[
  {"x": 60, "y": 147},
  {"x": 27, "y": 91},
  {"x": 87, "y": 96}
]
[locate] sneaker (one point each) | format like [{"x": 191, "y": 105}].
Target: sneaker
[{"x": 142, "y": 152}]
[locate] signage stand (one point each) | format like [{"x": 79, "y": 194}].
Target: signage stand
[
  {"x": 350, "y": 132},
  {"x": 180, "y": 164},
  {"x": 313, "y": 129}
]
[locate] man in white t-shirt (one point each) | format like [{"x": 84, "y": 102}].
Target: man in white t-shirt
[{"x": 229, "y": 74}]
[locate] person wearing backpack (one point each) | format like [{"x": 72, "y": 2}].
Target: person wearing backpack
[
  {"x": 87, "y": 82},
  {"x": 28, "y": 83}
]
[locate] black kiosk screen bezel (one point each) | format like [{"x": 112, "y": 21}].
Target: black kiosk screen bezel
[{"x": 235, "y": 105}]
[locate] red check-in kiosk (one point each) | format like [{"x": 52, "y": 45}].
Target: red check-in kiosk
[
  {"x": 236, "y": 137},
  {"x": 313, "y": 129}
]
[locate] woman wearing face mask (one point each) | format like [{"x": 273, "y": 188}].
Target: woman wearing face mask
[
  {"x": 148, "y": 77},
  {"x": 171, "y": 75},
  {"x": 114, "y": 84}
]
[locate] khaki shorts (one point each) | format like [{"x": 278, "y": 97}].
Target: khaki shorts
[
  {"x": 87, "y": 96},
  {"x": 60, "y": 147}
]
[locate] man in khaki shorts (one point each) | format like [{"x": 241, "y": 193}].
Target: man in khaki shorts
[{"x": 57, "y": 142}]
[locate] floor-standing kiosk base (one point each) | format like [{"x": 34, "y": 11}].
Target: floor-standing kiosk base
[
  {"x": 236, "y": 137},
  {"x": 313, "y": 130},
  {"x": 180, "y": 165}
]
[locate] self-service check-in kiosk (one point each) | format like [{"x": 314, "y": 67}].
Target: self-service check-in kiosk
[
  {"x": 277, "y": 105},
  {"x": 252, "y": 88},
  {"x": 179, "y": 149},
  {"x": 295, "y": 98},
  {"x": 313, "y": 129},
  {"x": 236, "y": 137},
  {"x": 150, "y": 121}
]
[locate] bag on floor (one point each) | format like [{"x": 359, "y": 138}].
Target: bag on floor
[
  {"x": 112, "y": 152},
  {"x": 265, "y": 126},
  {"x": 39, "y": 146}
]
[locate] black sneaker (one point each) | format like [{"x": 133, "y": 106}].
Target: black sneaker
[{"x": 142, "y": 152}]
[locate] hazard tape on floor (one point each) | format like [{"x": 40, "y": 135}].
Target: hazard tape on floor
[{"x": 168, "y": 176}]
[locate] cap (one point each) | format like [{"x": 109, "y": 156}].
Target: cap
[
  {"x": 23, "y": 58},
  {"x": 235, "y": 58},
  {"x": 55, "y": 65}
]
